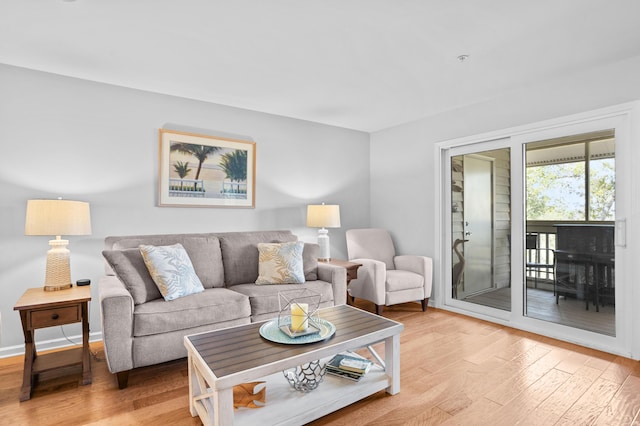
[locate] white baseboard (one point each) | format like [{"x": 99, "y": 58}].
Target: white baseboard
[{"x": 46, "y": 345}]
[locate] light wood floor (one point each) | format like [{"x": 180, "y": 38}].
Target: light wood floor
[{"x": 455, "y": 370}]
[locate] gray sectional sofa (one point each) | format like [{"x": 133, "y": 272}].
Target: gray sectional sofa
[{"x": 140, "y": 328}]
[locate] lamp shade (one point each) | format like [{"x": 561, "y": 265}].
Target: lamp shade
[
  {"x": 57, "y": 217},
  {"x": 323, "y": 216}
]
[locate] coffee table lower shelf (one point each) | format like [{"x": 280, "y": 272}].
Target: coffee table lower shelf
[{"x": 286, "y": 406}]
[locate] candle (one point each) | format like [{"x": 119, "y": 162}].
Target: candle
[{"x": 299, "y": 321}]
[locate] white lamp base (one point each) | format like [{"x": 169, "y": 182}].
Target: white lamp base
[
  {"x": 323, "y": 242},
  {"x": 58, "y": 275}
]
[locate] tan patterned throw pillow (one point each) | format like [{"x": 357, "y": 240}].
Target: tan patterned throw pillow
[{"x": 280, "y": 263}]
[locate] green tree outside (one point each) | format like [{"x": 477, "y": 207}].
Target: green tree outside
[
  {"x": 558, "y": 191},
  {"x": 603, "y": 190}
]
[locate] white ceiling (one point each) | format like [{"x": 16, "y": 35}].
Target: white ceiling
[{"x": 359, "y": 64}]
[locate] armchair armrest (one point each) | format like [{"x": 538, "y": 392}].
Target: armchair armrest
[
  {"x": 116, "y": 316},
  {"x": 371, "y": 281},
  {"x": 420, "y": 265},
  {"x": 337, "y": 276}
]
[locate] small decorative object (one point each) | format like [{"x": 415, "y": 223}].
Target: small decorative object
[
  {"x": 249, "y": 395},
  {"x": 323, "y": 216},
  {"x": 458, "y": 268},
  {"x": 298, "y": 314},
  {"x": 349, "y": 366},
  {"x": 299, "y": 320},
  {"x": 306, "y": 377},
  {"x": 282, "y": 334}
]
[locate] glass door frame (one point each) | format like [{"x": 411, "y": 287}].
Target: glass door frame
[{"x": 625, "y": 120}]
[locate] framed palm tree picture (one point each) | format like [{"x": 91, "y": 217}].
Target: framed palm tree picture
[{"x": 206, "y": 171}]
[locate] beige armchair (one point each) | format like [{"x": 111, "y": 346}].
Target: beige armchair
[{"x": 384, "y": 278}]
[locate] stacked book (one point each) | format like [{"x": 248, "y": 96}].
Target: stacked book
[{"x": 349, "y": 366}]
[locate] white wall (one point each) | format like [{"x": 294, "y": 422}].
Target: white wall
[{"x": 99, "y": 143}]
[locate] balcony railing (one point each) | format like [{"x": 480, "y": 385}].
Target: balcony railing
[{"x": 540, "y": 246}]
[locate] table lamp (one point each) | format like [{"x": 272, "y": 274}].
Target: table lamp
[
  {"x": 57, "y": 218},
  {"x": 323, "y": 216}
]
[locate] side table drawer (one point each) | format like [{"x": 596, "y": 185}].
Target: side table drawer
[{"x": 54, "y": 316}]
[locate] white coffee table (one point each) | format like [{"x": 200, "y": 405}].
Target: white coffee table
[{"x": 219, "y": 360}]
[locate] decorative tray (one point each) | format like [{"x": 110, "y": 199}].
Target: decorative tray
[{"x": 271, "y": 331}]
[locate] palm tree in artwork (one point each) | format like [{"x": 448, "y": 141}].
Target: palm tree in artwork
[
  {"x": 234, "y": 164},
  {"x": 182, "y": 169},
  {"x": 201, "y": 152}
]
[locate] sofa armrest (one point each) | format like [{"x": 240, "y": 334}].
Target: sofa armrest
[
  {"x": 421, "y": 265},
  {"x": 116, "y": 316},
  {"x": 337, "y": 276}
]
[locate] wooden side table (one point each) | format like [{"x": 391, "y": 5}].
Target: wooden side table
[
  {"x": 352, "y": 271},
  {"x": 40, "y": 309}
]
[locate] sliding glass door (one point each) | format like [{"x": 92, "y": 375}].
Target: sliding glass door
[
  {"x": 570, "y": 248},
  {"x": 534, "y": 233},
  {"x": 480, "y": 206}
]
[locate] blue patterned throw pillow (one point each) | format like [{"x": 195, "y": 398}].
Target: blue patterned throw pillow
[
  {"x": 171, "y": 270},
  {"x": 280, "y": 263}
]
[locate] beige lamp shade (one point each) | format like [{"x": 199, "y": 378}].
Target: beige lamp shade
[
  {"x": 323, "y": 216},
  {"x": 57, "y": 218}
]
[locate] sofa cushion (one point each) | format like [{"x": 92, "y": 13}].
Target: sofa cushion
[
  {"x": 203, "y": 250},
  {"x": 280, "y": 263},
  {"x": 156, "y": 348},
  {"x": 206, "y": 257},
  {"x": 212, "y": 306},
  {"x": 130, "y": 268},
  {"x": 171, "y": 270},
  {"x": 240, "y": 253},
  {"x": 264, "y": 300}
]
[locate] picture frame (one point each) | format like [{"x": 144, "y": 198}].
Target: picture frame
[{"x": 205, "y": 171}]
